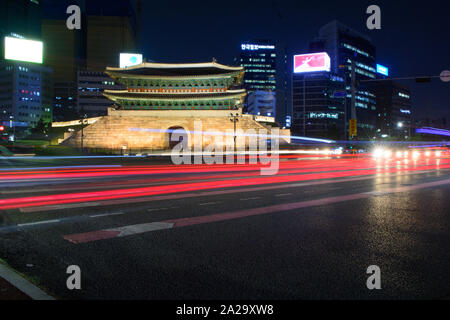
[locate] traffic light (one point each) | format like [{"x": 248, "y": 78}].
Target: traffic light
[{"x": 2, "y": 128}]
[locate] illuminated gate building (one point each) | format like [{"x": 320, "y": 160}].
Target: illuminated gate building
[{"x": 160, "y": 98}]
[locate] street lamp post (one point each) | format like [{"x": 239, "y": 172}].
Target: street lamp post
[
  {"x": 304, "y": 105},
  {"x": 235, "y": 119},
  {"x": 13, "y": 127},
  {"x": 82, "y": 132}
]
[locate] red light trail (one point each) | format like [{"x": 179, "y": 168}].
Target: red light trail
[{"x": 290, "y": 171}]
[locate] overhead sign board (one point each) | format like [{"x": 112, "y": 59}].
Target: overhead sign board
[
  {"x": 312, "y": 62},
  {"x": 130, "y": 59},
  {"x": 353, "y": 128},
  {"x": 253, "y": 47},
  {"x": 382, "y": 70},
  {"x": 23, "y": 50}
]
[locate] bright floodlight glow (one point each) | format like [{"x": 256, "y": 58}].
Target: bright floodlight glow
[
  {"x": 378, "y": 153},
  {"x": 406, "y": 154},
  {"x": 400, "y": 124},
  {"x": 130, "y": 59},
  {"x": 23, "y": 50},
  {"x": 416, "y": 154},
  {"x": 398, "y": 154},
  {"x": 387, "y": 154},
  {"x": 438, "y": 153},
  {"x": 428, "y": 153}
]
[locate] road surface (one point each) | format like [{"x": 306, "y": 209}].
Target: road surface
[{"x": 155, "y": 231}]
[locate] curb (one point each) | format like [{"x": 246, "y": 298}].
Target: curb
[{"x": 23, "y": 284}]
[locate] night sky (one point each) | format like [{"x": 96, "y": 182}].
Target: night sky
[{"x": 414, "y": 39}]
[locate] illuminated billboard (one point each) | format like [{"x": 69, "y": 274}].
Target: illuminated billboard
[
  {"x": 382, "y": 70},
  {"x": 23, "y": 50},
  {"x": 254, "y": 47},
  {"x": 312, "y": 62},
  {"x": 130, "y": 59}
]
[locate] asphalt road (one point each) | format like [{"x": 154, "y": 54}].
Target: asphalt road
[{"x": 143, "y": 231}]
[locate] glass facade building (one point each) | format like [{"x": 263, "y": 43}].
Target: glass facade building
[
  {"x": 318, "y": 105},
  {"x": 394, "y": 109},
  {"x": 108, "y": 29},
  {"x": 25, "y": 95},
  {"x": 90, "y": 100},
  {"x": 265, "y": 64},
  {"x": 344, "y": 46}
]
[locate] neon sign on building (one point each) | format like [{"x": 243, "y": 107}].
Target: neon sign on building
[{"x": 312, "y": 62}]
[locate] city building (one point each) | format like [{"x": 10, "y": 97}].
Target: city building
[
  {"x": 65, "y": 101},
  {"x": 64, "y": 54},
  {"x": 90, "y": 100},
  {"x": 26, "y": 83},
  {"x": 159, "y": 99},
  {"x": 111, "y": 30},
  {"x": 394, "y": 109},
  {"x": 262, "y": 103},
  {"x": 26, "y": 92},
  {"x": 20, "y": 18},
  {"x": 265, "y": 66},
  {"x": 259, "y": 58},
  {"x": 318, "y": 105},
  {"x": 350, "y": 51},
  {"x": 108, "y": 29}
]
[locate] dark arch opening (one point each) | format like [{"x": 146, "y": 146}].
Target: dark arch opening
[{"x": 181, "y": 133}]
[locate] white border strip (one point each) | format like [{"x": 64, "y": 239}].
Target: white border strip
[{"x": 23, "y": 284}]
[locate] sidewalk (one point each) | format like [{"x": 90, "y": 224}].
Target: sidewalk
[
  {"x": 15, "y": 287},
  {"x": 9, "y": 292}
]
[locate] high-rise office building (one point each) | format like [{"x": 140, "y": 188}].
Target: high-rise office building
[
  {"x": 108, "y": 29},
  {"x": 318, "y": 105},
  {"x": 90, "y": 99},
  {"x": 111, "y": 30},
  {"x": 394, "y": 109},
  {"x": 261, "y": 103},
  {"x": 346, "y": 48},
  {"x": 265, "y": 66},
  {"x": 25, "y": 80},
  {"x": 25, "y": 95},
  {"x": 20, "y": 17},
  {"x": 259, "y": 59}
]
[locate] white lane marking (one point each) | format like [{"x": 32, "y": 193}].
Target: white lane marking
[
  {"x": 248, "y": 199},
  {"x": 62, "y": 220},
  {"x": 67, "y": 206},
  {"x": 191, "y": 221},
  {"x": 209, "y": 203},
  {"x": 107, "y": 215},
  {"x": 161, "y": 209},
  {"x": 283, "y": 195},
  {"x": 38, "y": 223},
  {"x": 23, "y": 284}
]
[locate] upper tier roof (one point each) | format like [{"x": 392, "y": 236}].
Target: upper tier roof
[{"x": 176, "y": 69}]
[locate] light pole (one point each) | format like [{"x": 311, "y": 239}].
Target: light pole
[
  {"x": 13, "y": 127},
  {"x": 82, "y": 133},
  {"x": 304, "y": 105},
  {"x": 235, "y": 119}
]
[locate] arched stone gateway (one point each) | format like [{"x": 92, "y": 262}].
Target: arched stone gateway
[
  {"x": 143, "y": 131},
  {"x": 163, "y": 99}
]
